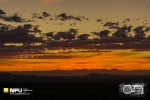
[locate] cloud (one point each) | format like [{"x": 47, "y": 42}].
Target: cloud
[
  {"x": 2, "y": 12},
  {"x": 65, "y": 17},
  {"x": 39, "y": 16},
  {"x": 50, "y": 1},
  {"x": 19, "y": 34},
  {"x": 16, "y": 17}
]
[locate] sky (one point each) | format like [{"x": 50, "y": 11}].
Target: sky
[
  {"x": 107, "y": 10},
  {"x": 102, "y": 61},
  {"x": 112, "y": 10}
]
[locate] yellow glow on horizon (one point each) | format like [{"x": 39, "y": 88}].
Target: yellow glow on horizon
[{"x": 102, "y": 61}]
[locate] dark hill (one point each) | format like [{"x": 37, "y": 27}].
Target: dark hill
[
  {"x": 92, "y": 75},
  {"x": 4, "y": 74}
]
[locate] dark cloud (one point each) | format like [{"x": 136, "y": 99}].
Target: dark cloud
[
  {"x": 16, "y": 17},
  {"x": 40, "y": 16},
  {"x": 111, "y": 25},
  {"x": 45, "y": 14},
  {"x": 87, "y": 18},
  {"x": 19, "y": 34},
  {"x": 122, "y": 32},
  {"x": 2, "y": 24},
  {"x": 104, "y": 33},
  {"x": 2, "y": 12},
  {"x": 35, "y": 15},
  {"x": 65, "y": 17},
  {"x": 66, "y": 35},
  {"x": 147, "y": 29},
  {"x": 126, "y": 20},
  {"x": 77, "y": 18},
  {"x": 50, "y": 34},
  {"x": 83, "y": 36},
  {"x": 99, "y": 20}
]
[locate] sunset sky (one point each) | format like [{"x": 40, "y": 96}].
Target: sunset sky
[
  {"x": 112, "y": 10},
  {"x": 89, "y": 11},
  {"x": 114, "y": 60}
]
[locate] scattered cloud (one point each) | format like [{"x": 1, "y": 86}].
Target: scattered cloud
[
  {"x": 16, "y": 17},
  {"x": 50, "y": 1},
  {"x": 65, "y": 17},
  {"x": 62, "y": 17},
  {"x": 2, "y": 12},
  {"x": 19, "y": 34},
  {"x": 39, "y": 16}
]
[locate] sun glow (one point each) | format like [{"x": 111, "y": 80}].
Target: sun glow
[{"x": 87, "y": 60}]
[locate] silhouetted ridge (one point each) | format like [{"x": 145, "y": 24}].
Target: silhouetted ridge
[
  {"x": 96, "y": 75},
  {"x": 84, "y": 72},
  {"x": 4, "y": 74}
]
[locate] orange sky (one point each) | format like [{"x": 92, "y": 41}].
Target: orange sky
[{"x": 103, "y": 61}]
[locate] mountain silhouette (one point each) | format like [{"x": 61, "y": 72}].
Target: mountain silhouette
[
  {"x": 82, "y": 72},
  {"x": 97, "y": 75},
  {"x": 3, "y": 74}
]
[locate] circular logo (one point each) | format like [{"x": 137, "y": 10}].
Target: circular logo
[{"x": 127, "y": 89}]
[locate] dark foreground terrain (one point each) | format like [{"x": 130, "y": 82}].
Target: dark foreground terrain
[{"x": 90, "y": 87}]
